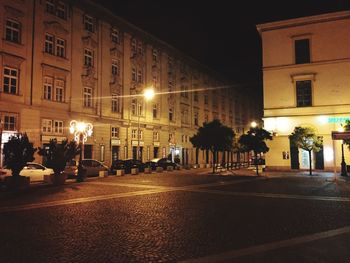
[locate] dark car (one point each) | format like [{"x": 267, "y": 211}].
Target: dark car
[
  {"x": 127, "y": 165},
  {"x": 93, "y": 167},
  {"x": 161, "y": 162}
]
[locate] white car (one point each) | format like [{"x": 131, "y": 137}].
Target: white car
[{"x": 35, "y": 171}]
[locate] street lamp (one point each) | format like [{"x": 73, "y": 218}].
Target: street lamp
[
  {"x": 148, "y": 94},
  {"x": 253, "y": 124},
  {"x": 81, "y": 131},
  {"x": 343, "y": 164}
]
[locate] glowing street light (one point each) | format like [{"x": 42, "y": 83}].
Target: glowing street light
[
  {"x": 148, "y": 95},
  {"x": 81, "y": 131},
  {"x": 253, "y": 124}
]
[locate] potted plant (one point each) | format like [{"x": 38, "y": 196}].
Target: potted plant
[
  {"x": 57, "y": 155},
  {"x": 17, "y": 152}
]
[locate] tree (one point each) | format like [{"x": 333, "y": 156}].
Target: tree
[
  {"x": 306, "y": 139},
  {"x": 17, "y": 152},
  {"x": 347, "y": 128},
  {"x": 254, "y": 140},
  {"x": 58, "y": 154},
  {"x": 213, "y": 136}
]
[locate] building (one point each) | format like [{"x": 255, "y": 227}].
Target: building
[
  {"x": 65, "y": 60},
  {"x": 306, "y": 82}
]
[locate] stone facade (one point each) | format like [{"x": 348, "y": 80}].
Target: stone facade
[
  {"x": 62, "y": 61},
  {"x": 306, "y": 83}
]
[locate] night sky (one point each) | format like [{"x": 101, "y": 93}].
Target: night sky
[{"x": 219, "y": 34}]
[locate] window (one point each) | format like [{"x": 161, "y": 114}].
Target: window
[
  {"x": 115, "y": 67},
  {"x": 49, "y": 43},
  {"x": 115, "y": 132},
  {"x": 140, "y": 48},
  {"x": 171, "y": 114},
  {"x": 115, "y": 103},
  {"x": 302, "y": 51},
  {"x": 50, "y": 6},
  {"x": 59, "y": 90},
  {"x": 196, "y": 118},
  {"x": 13, "y": 31},
  {"x": 206, "y": 116},
  {"x": 10, "y": 80},
  {"x": 155, "y": 111},
  {"x": 87, "y": 97},
  {"x": 9, "y": 123},
  {"x": 89, "y": 23},
  {"x": 195, "y": 96},
  {"x": 61, "y": 10},
  {"x": 184, "y": 116},
  {"x": 139, "y": 76},
  {"x": 155, "y": 55},
  {"x": 133, "y": 74},
  {"x": 133, "y": 106},
  {"x": 304, "y": 97},
  {"x": 155, "y": 136},
  {"x": 184, "y": 91},
  {"x": 88, "y": 57},
  {"x": 115, "y": 36},
  {"x": 140, "y": 108},
  {"x": 133, "y": 46},
  {"x": 46, "y": 126},
  {"x": 48, "y": 83},
  {"x": 133, "y": 134},
  {"x": 206, "y": 99},
  {"x": 60, "y": 48},
  {"x": 58, "y": 127}
]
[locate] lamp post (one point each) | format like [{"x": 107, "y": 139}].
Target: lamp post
[
  {"x": 81, "y": 131},
  {"x": 343, "y": 164},
  {"x": 148, "y": 95}
]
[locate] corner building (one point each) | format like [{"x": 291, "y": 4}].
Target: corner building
[
  {"x": 65, "y": 60},
  {"x": 306, "y": 76}
]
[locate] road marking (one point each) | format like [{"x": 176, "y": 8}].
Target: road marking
[
  {"x": 271, "y": 195},
  {"x": 229, "y": 255},
  {"x": 153, "y": 190},
  {"x": 80, "y": 200}
]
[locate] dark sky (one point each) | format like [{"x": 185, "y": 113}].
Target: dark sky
[{"x": 219, "y": 34}]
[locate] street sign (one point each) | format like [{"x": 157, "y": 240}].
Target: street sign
[{"x": 336, "y": 135}]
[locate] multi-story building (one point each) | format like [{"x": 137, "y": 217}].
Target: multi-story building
[
  {"x": 306, "y": 75},
  {"x": 65, "y": 60}
]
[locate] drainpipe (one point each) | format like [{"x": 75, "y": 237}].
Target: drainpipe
[{"x": 32, "y": 67}]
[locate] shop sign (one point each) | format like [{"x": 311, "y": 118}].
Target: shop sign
[
  {"x": 157, "y": 144},
  {"x": 338, "y": 119},
  {"x": 135, "y": 143},
  {"x": 115, "y": 142},
  {"x": 336, "y": 135}
]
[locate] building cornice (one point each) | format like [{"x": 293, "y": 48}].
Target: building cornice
[{"x": 303, "y": 21}]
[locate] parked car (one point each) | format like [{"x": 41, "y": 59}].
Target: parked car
[
  {"x": 161, "y": 162},
  {"x": 93, "y": 167},
  {"x": 71, "y": 169},
  {"x": 127, "y": 165},
  {"x": 35, "y": 171}
]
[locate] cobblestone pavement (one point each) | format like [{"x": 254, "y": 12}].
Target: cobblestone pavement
[{"x": 187, "y": 215}]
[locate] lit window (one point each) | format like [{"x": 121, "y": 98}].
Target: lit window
[
  {"x": 88, "y": 58},
  {"x": 48, "y": 83},
  {"x": 60, "y": 47},
  {"x": 87, "y": 97},
  {"x": 89, "y": 23},
  {"x": 115, "y": 132},
  {"x": 155, "y": 136},
  {"x": 10, "y": 80},
  {"x": 115, "y": 103},
  {"x": 115, "y": 36},
  {"x": 13, "y": 31},
  {"x": 134, "y": 134}
]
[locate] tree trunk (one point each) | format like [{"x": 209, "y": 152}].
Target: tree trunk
[
  {"x": 256, "y": 163},
  {"x": 310, "y": 163},
  {"x": 214, "y": 160}
]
